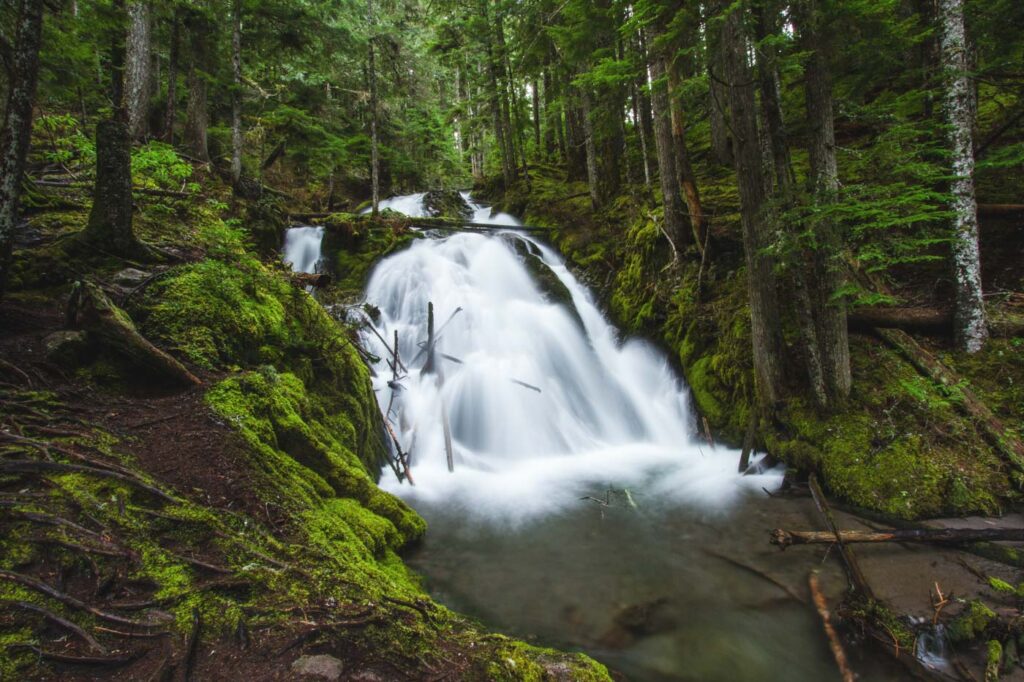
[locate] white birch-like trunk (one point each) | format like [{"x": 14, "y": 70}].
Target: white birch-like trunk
[
  {"x": 970, "y": 327},
  {"x": 137, "y": 67}
]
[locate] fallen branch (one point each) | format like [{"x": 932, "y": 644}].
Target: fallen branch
[
  {"x": 754, "y": 570},
  {"x": 853, "y": 572},
  {"x": 830, "y": 632},
  {"x": 786, "y": 538},
  {"x": 54, "y": 593}
]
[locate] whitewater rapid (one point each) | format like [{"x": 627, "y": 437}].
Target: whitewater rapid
[{"x": 546, "y": 404}]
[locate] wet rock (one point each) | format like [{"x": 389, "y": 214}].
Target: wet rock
[
  {"x": 130, "y": 277},
  {"x": 320, "y": 666},
  {"x": 67, "y": 347},
  {"x": 546, "y": 280},
  {"x": 446, "y": 203}
]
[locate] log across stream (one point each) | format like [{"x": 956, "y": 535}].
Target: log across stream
[{"x": 583, "y": 510}]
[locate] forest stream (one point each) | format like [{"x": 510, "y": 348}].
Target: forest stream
[{"x": 584, "y": 510}]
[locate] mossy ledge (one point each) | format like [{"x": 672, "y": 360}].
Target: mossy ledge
[
  {"x": 306, "y": 558},
  {"x": 899, "y": 446}
]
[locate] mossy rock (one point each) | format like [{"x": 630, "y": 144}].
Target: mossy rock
[{"x": 446, "y": 203}]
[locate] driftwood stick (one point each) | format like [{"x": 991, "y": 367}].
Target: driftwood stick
[
  {"x": 785, "y": 538},
  {"x": 830, "y": 632},
  {"x": 59, "y": 621},
  {"x": 857, "y": 580},
  {"x": 54, "y": 593},
  {"x": 754, "y": 570}
]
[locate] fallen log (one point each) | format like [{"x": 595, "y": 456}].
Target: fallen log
[
  {"x": 310, "y": 279},
  {"x": 1001, "y": 323},
  {"x": 1000, "y": 209},
  {"x": 786, "y": 538},
  {"x": 90, "y": 309},
  {"x": 403, "y": 222}
]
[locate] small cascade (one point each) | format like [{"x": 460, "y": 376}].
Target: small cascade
[{"x": 302, "y": 248}]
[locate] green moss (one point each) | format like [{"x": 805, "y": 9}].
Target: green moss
[{"x": 970, "y": 624}]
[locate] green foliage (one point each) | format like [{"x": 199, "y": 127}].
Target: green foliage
[{"x": 157, "y": 165}]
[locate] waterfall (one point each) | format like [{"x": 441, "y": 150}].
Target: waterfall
[
  {"x": 302, "y": 248},
  {"x": 545, "y": 402}
]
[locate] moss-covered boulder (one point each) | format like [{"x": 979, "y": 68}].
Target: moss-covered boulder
[{"x": 446, "y": 203}]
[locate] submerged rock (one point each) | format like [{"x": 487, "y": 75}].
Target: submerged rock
[{"x": 446, "y": 203}]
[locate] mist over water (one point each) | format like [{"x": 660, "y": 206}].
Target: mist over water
[{"x": 594, "y": 412}]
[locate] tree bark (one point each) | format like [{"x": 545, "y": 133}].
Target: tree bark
[
  {"x": 970, "y": 331},
  {"x": 236, "y": 92},
  {"x": 197, "y": 116},
  {"x": 172, "y": 77},
  {"x": 721, "y": 147},
  {"x": 826, "y": 262},
  {"x": 110, "y": 220},
  {"x": 137, "y": 71},
  {"x": 16, "y": 135},
  {"x": 766, "y": 331},
  {"x": 374, "y": 113},
  {"x": 684, "y": 169},
  {"x": 675, "y": 223},
  {"x": 535, "y": 88},
  {"x": 638, "y": 124},
  {"x": 593, "y": 181}
]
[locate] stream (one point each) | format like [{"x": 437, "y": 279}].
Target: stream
[{"x": 584, "y": 511}]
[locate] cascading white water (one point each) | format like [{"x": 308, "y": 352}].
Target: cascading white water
[
  {"x": 302, "y": 248},
  {"x": 605, "y": 412}
]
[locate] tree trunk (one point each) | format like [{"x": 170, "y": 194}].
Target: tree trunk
[
  {"x": 593, "y": 181},
  {"x": 718, "y": 96},
  {"x": 16, "y": 135},
  {"x": 550, "y": 143},
  {"x": 137, "y": 72},
  {"x": 172, "y": 77},
  {"x": 675, "y": 223},
  {"x": 638, "y": 124},
  {"x": 236, "y": 92},
  {"x": 535, "y": 87},
  {"x": 766, "y": 332},
  {"x": 687, "y": 180},
  {"x": 197, "y": 116},
  {"x": 374, "y": 113},
  {"x": 970, "y": 331},
  {"x": 110, "y": 220},
  {"x": 826, "y": 263}
]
